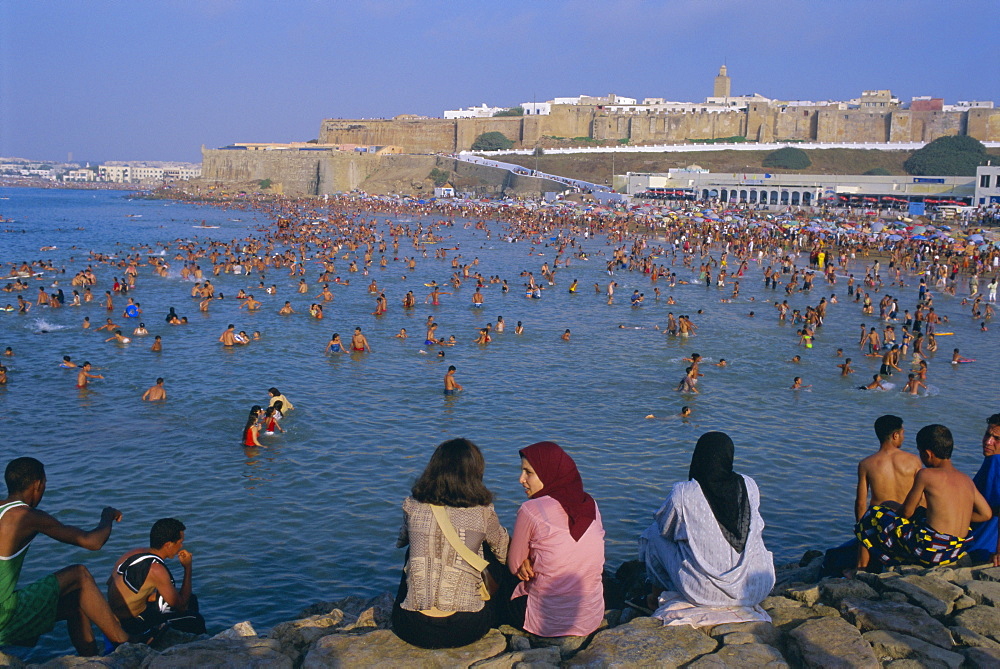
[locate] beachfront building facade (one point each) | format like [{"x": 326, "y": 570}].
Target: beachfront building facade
[
  {"x": 118, "y": 174},
  {"x": 82, "y": 175},
  {"x": 801, "y": 189},
  {"x": 127, "y": 173},
  {"x": 987, "y": 185}
]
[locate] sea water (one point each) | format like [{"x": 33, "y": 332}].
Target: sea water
[{"x": 315, "y": 514}]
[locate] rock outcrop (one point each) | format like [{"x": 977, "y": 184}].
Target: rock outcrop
[{"x": 910, "y": 617}]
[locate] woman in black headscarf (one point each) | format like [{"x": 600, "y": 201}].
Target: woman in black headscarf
[{"x": 705, "y": 546}]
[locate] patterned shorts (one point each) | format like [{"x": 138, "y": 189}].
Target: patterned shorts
[{"x": 894, "y": 539}]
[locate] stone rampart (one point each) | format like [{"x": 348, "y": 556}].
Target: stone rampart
[
  {"x": 984, "y": 124},
  {"x": 852, "y": 125},
  {"x": 412, "y": 135},
  {"x": 309, "y": 172},
  {"x": 291, "y": 172},
  {"x": 759, "y": 122}
]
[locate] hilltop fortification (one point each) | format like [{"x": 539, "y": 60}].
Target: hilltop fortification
[{"x": 762, "y": 122}]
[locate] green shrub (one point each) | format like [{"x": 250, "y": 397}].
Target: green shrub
[
  {"x": 877, "y": 172},
  {"x": 955, "y": 155},
  {"x": 264, "y": 184},
  {"x": 788, "y": 158},
  {"x": 735, "y": 139},
  {"x": 513, "y": 111},
  {"x": 491, "y": 141},
  {"x": 439, "y": 177}
]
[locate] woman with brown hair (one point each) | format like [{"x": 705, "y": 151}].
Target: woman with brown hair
[{"x": 443, "y": 601}]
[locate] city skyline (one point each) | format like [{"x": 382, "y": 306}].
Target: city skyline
[{"x": 155, "y": 81}]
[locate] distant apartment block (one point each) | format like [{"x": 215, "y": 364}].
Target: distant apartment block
[
  {"x": 82, "y": 175},
  {"x": 145, "y": 173}
]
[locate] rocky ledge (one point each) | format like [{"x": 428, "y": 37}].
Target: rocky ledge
[{"x": 911, "y": 617}]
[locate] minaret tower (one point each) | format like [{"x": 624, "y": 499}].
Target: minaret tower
[{"x": 722, "y": 84}]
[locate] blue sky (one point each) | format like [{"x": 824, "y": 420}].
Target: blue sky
[{"x": 154, "y": 80}]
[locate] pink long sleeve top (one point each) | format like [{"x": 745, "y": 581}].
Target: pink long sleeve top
[{"x": 566, "y": 596}]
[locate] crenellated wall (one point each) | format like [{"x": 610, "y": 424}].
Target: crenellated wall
[
  {"x": 412, "y": 135},
  {"x": 852, "y": 125},
  {"x": 759, "y": 122}
]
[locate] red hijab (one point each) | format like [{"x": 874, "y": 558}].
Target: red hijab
[{"x": 561, "y": 481}]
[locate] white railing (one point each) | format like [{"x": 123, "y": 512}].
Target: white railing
[{"x": 738, "y": 146}]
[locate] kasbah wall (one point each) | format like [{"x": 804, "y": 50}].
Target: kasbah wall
[
  {"x": 292, "y": 172},
  {"x": 759, "y": 122},
  {"x": 297, "y": 172}
]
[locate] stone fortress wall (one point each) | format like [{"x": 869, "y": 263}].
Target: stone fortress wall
[
  {"x": 758, "y": 122},
  {"x": 319, "y": 172}
]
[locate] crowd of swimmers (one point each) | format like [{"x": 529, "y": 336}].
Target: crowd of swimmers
[{"x": 712, "y": 253}]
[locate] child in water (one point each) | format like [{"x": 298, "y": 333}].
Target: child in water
[{"x": 271, "y": 420}]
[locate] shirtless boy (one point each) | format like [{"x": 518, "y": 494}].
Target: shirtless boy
[
  {"x": 451, "y": 386},
  {"x": 937, "y": 534},
  {"x": 913, "y": 385},
  {"x": 69, "y": 594},
  {"x": 156, "y": 392},
  {"x": 142, "y": 593},
  {"x": 84, "y": 375},
  {"x": 886, "y": 475}
]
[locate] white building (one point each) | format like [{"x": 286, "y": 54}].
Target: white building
[
  {"x": 119, "y": 174},
  {"x": 987, "y": 185},
  {"x": 144, "y": 174},
  {"x": 182, "y": 172},
  {"x": 799, "y": 189},
  {"x": 482, "y": 111},
  {"x": 609, "y": 99},
  {"x": 966, "y": 105},
  {"x": 536, "y": 108},
  {"x": 81, "y": 175}
]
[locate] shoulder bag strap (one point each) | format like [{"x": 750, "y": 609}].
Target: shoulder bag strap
[
  {"x": 467, "y": 554},
  {"x": 441, "y": 516}
]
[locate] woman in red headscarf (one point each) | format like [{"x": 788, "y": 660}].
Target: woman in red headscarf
[{"x": 557, "y": 550}]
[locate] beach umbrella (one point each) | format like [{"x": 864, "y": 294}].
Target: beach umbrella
[
  {"x": 920, "y": 237},
  {"x": 894, "y": 238},
  {"x": 878, "y": 227},
  {"x": 975, "y": 238}
]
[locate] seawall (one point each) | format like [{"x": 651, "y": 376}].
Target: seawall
[{"x": 319, "y": 172}]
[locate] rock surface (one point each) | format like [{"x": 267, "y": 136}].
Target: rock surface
[
  {"x": 744, "y": 655},
  {"x": 933, "y": 594},
  {"x": 382, "y": 648},
  {"x": 831, "y": 643},
  {"x": 982, "y": 658},
  {"x": 905, "y": 618},
  {"x": 644, "y": 642},
  {"x": 896, "y": 617},
  {"x": 896, "y": 646},
  {"x": 245, "y": 653},
  {"x": 983, "y": 620}
]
